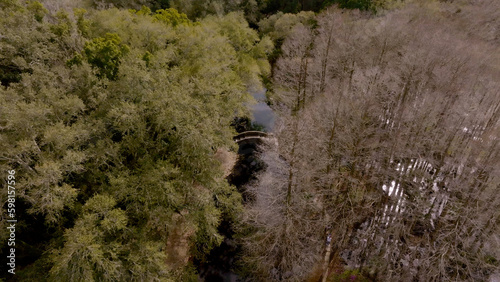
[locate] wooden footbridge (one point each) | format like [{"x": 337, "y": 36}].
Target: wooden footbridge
[{"x": 256, "y": 135}]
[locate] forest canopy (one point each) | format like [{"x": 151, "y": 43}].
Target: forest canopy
[
  {"x": 114, "y": 116},
  {"x": 111, "y": 119}
]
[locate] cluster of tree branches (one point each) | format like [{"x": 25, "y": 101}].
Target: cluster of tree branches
[{"x": 389, "y": 150}]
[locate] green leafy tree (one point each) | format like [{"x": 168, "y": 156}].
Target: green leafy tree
[
  {"x": 105, "y": 54},
  {"x": 81, "y": 22},
  {"x": 38, "y": 10},
  {"x": 171, "y": 16},
  {"x": 92, "y": 250}
]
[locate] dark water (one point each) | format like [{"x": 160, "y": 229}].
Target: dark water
[{"x": 221, "y": 263}]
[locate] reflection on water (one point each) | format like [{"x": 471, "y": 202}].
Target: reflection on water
[{"x": 262, "y": 113}]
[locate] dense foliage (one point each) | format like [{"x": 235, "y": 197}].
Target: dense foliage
[
  {"x": 118, "y": 118},
  {"x": 111, "y": 120}
]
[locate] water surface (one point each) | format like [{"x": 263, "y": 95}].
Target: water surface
[{"x": 262, "y": 113}]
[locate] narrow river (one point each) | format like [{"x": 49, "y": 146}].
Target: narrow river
[
  {"x": 262, "y": 113},
  {"x": 221, "y": 262}
]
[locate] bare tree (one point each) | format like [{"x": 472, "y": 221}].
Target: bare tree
[
  {"x": 391, "y": 125},
  {"x": 284, "y": 242}
]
